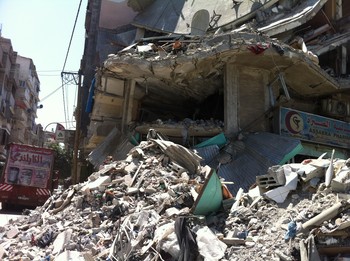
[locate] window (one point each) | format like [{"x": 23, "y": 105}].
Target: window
[
  {"x": 4, "y": 59},
  {"x": 4, "y": 137},
  {"x": 22, "y": 84}
]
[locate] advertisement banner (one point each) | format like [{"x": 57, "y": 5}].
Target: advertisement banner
[
  {"x": 314, "y": 128},
  {"x": 29, "y": 166},
  {"x": 60, "y": 133}
]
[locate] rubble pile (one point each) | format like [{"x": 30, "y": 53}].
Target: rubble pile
[{"x": 154, "y": 205}]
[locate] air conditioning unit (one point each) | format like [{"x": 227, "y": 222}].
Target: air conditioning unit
[{"x": 336, "y": 107}]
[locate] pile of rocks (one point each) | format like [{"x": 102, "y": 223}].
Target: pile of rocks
[{"x": 142, "y": 208}]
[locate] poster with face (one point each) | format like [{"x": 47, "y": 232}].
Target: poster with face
[{"x": 29, "y": 166}]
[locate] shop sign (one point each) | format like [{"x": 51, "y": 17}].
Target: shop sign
[{"x": 314, "y": 128}]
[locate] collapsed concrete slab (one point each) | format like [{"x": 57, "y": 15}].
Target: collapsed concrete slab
[{"x": 148, "y": 210}]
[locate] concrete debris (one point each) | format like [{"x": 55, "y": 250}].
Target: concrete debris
[{"x": 142, "y": 208}]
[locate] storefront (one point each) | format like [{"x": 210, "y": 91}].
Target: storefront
[{"x": 317, "y": 134}]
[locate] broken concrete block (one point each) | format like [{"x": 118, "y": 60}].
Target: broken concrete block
[
  {"x": 58, "y": 202},
  {"x": 311, "y": 170},
  {"x": 103, "y": 180},
  {"x": 132, "y": 191},
  {"x": 172, "y": 166},
  {"x": 13, "y": 232},
  {"x": 233, "y": 241},
  {"x": 171, "y": 212},
  {"x": 274, "y": 177},
  {"x": 61, "y": 240},
  {"x": 341, "y": 182},
  {"x": 73, "y": 255},
  {"x": 2, "y": 252},
  {"x": 150, "y": 190},
  {"x": 132, "y": 167}
]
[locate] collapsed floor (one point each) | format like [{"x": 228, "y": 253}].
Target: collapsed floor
[{"x": 160, "y": 203}]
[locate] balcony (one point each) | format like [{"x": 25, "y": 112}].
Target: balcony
[
  {"x": 10, "y": 102},
  {"x": 23, "y": 95},
  {"x": 14, "y": 75},
  {"x": 20, "y": 114}
]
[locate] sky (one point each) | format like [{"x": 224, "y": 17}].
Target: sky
[{"x": 41, "y": 30}]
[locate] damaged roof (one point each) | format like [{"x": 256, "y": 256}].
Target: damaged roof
[
  {"x": 192, "y": 17},
  {"x": 254, "y": 155},
  {"x": 285, "y": 20},
  {"x": 198, "y": 72}
]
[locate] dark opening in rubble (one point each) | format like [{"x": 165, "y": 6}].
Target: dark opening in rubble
[{"x": 211, "y": 108}]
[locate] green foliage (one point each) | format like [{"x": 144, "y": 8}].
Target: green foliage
[{"x": 63, "y": 160}]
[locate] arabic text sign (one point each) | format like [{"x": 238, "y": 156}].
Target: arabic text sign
[
  {"x": 29, "y": 166},
  {"x": 314, "y": 128}
]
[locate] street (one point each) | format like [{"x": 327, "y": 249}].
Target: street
[{"x": 7, "y": 215}]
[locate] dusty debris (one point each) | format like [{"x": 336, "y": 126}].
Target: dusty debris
[{"x": 144, "y": 208}]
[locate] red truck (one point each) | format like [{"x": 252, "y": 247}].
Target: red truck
[{"x": 27, "y": 178}]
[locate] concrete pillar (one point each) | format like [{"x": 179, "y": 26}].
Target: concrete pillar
[
  {"x": 128, "y": 104},
  {"x": 231, "y": 78},
  {"x": 342, "y": 50},
  {"x": 339, "y": 9},
  {"x": 140, "y": 33}
]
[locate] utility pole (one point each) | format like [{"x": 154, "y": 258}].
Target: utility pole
[
  {"x": 77, "y": 133},
  {"x": 68, "y": 77}
]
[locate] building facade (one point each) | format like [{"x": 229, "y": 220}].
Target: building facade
[
  {"x": 19, "y": 90},
  {"x": 238, "y": 62},
  {"x": 25, "y": 130},
  {"x": 9, "y": 81}
]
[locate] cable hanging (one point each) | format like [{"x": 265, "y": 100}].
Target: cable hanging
[
  {"x": 65, "y": 104},
  {"x": 71, "y": 37}
]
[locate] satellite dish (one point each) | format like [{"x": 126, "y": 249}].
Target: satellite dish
[{"x": 200, "y": 22}]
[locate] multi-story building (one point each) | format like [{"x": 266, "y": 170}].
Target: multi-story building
[
  {"x": 19, "y": 90},
  {"x": 25, "y": 130},
  {"x": 8, "y": 85}
]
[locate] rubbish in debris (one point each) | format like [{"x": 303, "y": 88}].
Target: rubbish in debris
[
  {"x": 128, "y": 210},
  {"x": 341, "y": 181},
  {"x": 326, "y": 215},
  {"x": 219, "y": 140},
  {"x": 45, "y": 239},
  {"x": 292, "y": 230},
  {"x": 209, "y": 199},
  {"x": 209, "y": 246},
  {"x": 279, "y": 194},
  {"x": 329, "y": 171},
  {"x": 186, "y": 239}
]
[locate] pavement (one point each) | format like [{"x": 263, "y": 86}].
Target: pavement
[{"x": 6, "y": 216}]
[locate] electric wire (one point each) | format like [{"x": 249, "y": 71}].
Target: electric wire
[
  {"x": 71, "y": 37},
  {"x": 45, "y": 75},
  {"x": 56, "y": 90},
  {"x": 48, "y": 71},
  {"x": 65, "y": 61}
]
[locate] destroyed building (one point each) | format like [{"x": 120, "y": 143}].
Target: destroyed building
[
  {"x": 193, "y": 70},
  {"x": 227, "y": 122}
]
